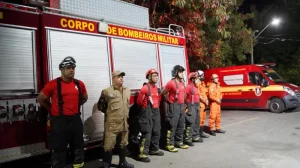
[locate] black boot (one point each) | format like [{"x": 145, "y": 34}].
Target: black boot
[
  {"x": 79, "y": 156},
  {"x": 189, "y": 143},
  {"x": 202, "y": 134},
  {"x": 123, "y": 163},
  {"x": 212, "y": 133},
  {"x": 188, "y": 136},
  {"x": 220, "y": 131},
  {"x": 198, "y": 139},
  {"x": 107, "y": 159},
  {"x": 59, "y": 158}
]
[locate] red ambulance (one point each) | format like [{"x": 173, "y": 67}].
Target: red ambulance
[{"x": 255, "y": 87}]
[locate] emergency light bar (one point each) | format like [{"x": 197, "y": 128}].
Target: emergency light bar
[
  {"x": 38, "y": 3},
  {"x": 266, "y": 65}
]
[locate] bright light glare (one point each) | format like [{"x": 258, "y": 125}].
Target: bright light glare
[{"x": 275, "y": 22}]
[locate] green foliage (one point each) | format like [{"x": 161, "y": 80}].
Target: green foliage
[
  {"x": 239, "y": 43},
  {"x": 215, "y": 33}
]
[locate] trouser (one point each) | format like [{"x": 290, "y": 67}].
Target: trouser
[
  {"x": 66, "y": 130},
  {"x": 202, "y": 114},
  {"x": 175, "y": 118},
  {"x": 215, "y": 116},
  {"x": 192, "y": 122},
  {"x": 111, "y": 134},
  {"x": 150, "y": 129}
]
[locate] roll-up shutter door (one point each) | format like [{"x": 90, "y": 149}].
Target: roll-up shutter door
[
  {"x": 92, "y": 63},
  {"x": 171, "y": 56},
  {"x": 134, "y": 58},
  {"x": 17, "y": 65}
]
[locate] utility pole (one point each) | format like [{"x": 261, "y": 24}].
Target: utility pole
[
  {"x": 252, "y": 46},
  {"x": 274, "y": 22}
]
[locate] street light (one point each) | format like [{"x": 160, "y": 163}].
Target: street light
[{"x": 274, "y": 22}]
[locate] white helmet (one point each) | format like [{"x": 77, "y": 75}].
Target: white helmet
[{"x": 200, "y": 73}]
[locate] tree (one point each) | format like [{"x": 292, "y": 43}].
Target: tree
[{"x": 208, "y": 26}]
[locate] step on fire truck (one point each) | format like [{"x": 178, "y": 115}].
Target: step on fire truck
[{"x": 101, "y": 35}]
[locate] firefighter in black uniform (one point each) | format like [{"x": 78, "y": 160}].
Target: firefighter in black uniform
[
  {"x": 67, "y": 95},
  {"x": 174, "y": 95},
  {"x": 149, "y": 121}
]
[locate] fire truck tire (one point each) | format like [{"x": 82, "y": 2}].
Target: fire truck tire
[{"x": 276, "y": 105}]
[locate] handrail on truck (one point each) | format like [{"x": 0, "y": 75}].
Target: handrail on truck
[{"x": 178, "y": 28}]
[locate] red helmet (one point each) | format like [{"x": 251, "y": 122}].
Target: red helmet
[
  {"x": 192, "y": 75},
  {"x": 150, "y": 71}
]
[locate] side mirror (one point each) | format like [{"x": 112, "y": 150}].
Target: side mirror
[{"x": 265, "y": 83}]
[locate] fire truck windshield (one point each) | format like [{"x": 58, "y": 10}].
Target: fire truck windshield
[{"x": 271, "y": 74}]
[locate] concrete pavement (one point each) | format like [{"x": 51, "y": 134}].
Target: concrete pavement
[{"x": 254, "y": 139}]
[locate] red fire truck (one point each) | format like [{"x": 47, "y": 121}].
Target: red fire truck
[
  {"x": 33, "y": 42},
  {"x": 255, "y": 87}
]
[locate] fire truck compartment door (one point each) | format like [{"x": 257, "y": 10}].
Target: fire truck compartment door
[
  {"x": 17, "y": 54},
  {"x": 134, "y": 58},
  {"x": 92, "y": 64},
  {"x": 169, "y": 57}
]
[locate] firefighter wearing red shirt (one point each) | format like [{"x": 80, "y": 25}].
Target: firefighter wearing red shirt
[
  {"x": 114, "y": 102},
  {"x": 215, "y": 97},
  {"x": 174, "y": 95},
  {"x": 148, "y": 100},
  {"x": 192, "y": 119},
  {"x": 67, "y": 95}
]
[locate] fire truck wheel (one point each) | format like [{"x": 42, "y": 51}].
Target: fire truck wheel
[{"x": 276, "y": 105}]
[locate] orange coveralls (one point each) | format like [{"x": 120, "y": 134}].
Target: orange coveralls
[
  {"x": 203, "y": 95},
  {"x": 214, "y": 95}
]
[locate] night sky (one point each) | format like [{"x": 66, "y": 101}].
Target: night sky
[{"x": 259, "y": 4}]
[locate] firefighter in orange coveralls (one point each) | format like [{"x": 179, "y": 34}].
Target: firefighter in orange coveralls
[
  {"x": 149, "y": 100},
  {"x": 215, "y": 97},
  {"x": 203, "y": 102}
]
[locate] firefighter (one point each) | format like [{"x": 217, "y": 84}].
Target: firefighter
[
  {"x": 203, "y": 102},
  {"x": 114, "y": 102},
  {"x": 148, "y": 100},
  {"x": 215, "y": 97},
  {"x": 67, "y": 95},
  {"x": 192, "y": 119},
  {"x": 174, "y": 95}
]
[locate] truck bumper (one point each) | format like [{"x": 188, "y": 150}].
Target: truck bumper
[{"x": 291, "y": 102}]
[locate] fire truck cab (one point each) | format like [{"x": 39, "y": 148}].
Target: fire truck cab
[{"x": 255, "y": 87}]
